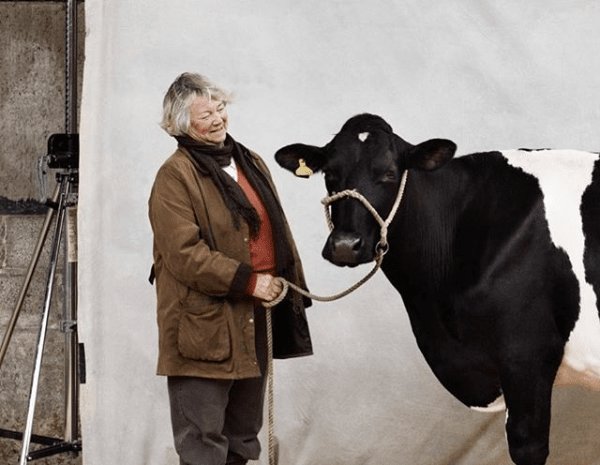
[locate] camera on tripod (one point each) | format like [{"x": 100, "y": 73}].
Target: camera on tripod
[
  {"x": 63, "y": 151},
  {"x": 62, "y": 155}
]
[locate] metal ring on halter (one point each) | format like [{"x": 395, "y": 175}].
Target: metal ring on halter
[{"x": 382, "y": 248}]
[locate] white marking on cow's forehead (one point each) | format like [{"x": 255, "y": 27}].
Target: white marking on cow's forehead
[
  {"x": 563, "y": 176},
  {"x": 363, "y": 136}
]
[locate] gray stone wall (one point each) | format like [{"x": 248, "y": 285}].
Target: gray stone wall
[{"x": 32, "y": 86}]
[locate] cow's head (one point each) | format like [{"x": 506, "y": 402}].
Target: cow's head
[{"x": 366, "y": 156}]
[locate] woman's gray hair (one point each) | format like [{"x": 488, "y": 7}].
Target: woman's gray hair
[{"x": 177, "y": 101}]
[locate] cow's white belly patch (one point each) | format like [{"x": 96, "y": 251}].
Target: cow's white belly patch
[
  {"x": 497, "y": 406},
  {"x": 563, "y": 176}
]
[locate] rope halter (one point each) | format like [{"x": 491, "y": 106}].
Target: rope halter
[{"x": 382, "y": 246}]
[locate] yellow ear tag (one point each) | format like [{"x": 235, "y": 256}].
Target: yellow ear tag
[{"x": 303, "y": 171}]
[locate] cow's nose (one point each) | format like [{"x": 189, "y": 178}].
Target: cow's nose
[{"x": 342, "y": 248}]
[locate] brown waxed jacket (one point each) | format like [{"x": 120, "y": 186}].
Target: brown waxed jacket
[{"x": 201, "y": 264}]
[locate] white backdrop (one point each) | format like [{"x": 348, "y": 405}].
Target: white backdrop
[{"x": 488, "y": 75}]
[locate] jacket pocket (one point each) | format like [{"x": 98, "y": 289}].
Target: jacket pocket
[{"x": 204, "y": 330}]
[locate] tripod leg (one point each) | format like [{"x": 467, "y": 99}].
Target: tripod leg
[
  {"x": 64, "y": 191},
  {"x": 25, "y": 287},
  {"x": 70, "y": 329}
]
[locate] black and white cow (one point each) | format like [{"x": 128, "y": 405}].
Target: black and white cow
[{"x": 496, "y": 256}]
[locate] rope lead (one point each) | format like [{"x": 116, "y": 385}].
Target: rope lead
[{"x": 381, "y": 249}]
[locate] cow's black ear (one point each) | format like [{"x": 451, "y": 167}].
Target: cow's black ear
[
  {"x": 302, "y": 160},
  {"x": 431, "y": 155}
]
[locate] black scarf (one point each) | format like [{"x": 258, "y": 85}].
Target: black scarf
[{"x": 211, "y": 160}]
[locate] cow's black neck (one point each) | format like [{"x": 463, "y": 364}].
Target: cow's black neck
[{"x": 439, "y": 250}]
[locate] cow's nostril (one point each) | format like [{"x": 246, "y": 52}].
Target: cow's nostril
[{"x": 357, "y": 244}]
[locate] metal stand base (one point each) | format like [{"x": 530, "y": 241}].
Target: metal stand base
[{"x": 56, "y": 446}]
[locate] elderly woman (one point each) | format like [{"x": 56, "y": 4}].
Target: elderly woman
[{"x": 220, "y": 237}]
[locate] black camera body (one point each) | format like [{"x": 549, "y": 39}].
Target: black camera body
[{"x": 63, "y": 151}]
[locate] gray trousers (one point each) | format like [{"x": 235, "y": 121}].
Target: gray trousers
[{"x": 216, "y": 421}]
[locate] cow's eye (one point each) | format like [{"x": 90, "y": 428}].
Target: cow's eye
[
  {"x": 389, "y": 176},
  {"x": 330, "y": 178}
]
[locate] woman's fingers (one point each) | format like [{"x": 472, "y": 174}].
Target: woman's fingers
[{"x": 267, "y": 287}]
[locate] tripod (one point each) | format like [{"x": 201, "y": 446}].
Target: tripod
[{"x": 64, "y": 149}]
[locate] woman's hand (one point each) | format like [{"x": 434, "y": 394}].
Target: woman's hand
[{"x": 267, "y": 287}]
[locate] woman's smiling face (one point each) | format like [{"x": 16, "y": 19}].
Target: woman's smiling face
[{"x": 208, "y": 121}]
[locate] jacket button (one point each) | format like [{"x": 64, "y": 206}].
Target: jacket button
[{"x": 251, "y": 320}]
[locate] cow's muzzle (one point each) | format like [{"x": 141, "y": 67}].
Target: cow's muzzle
[{"x": 344, "y": 249}]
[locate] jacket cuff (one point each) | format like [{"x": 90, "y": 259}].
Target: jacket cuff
[
  {"x": 240, "y": 280},
  {"x": 251, "y": 284}
]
